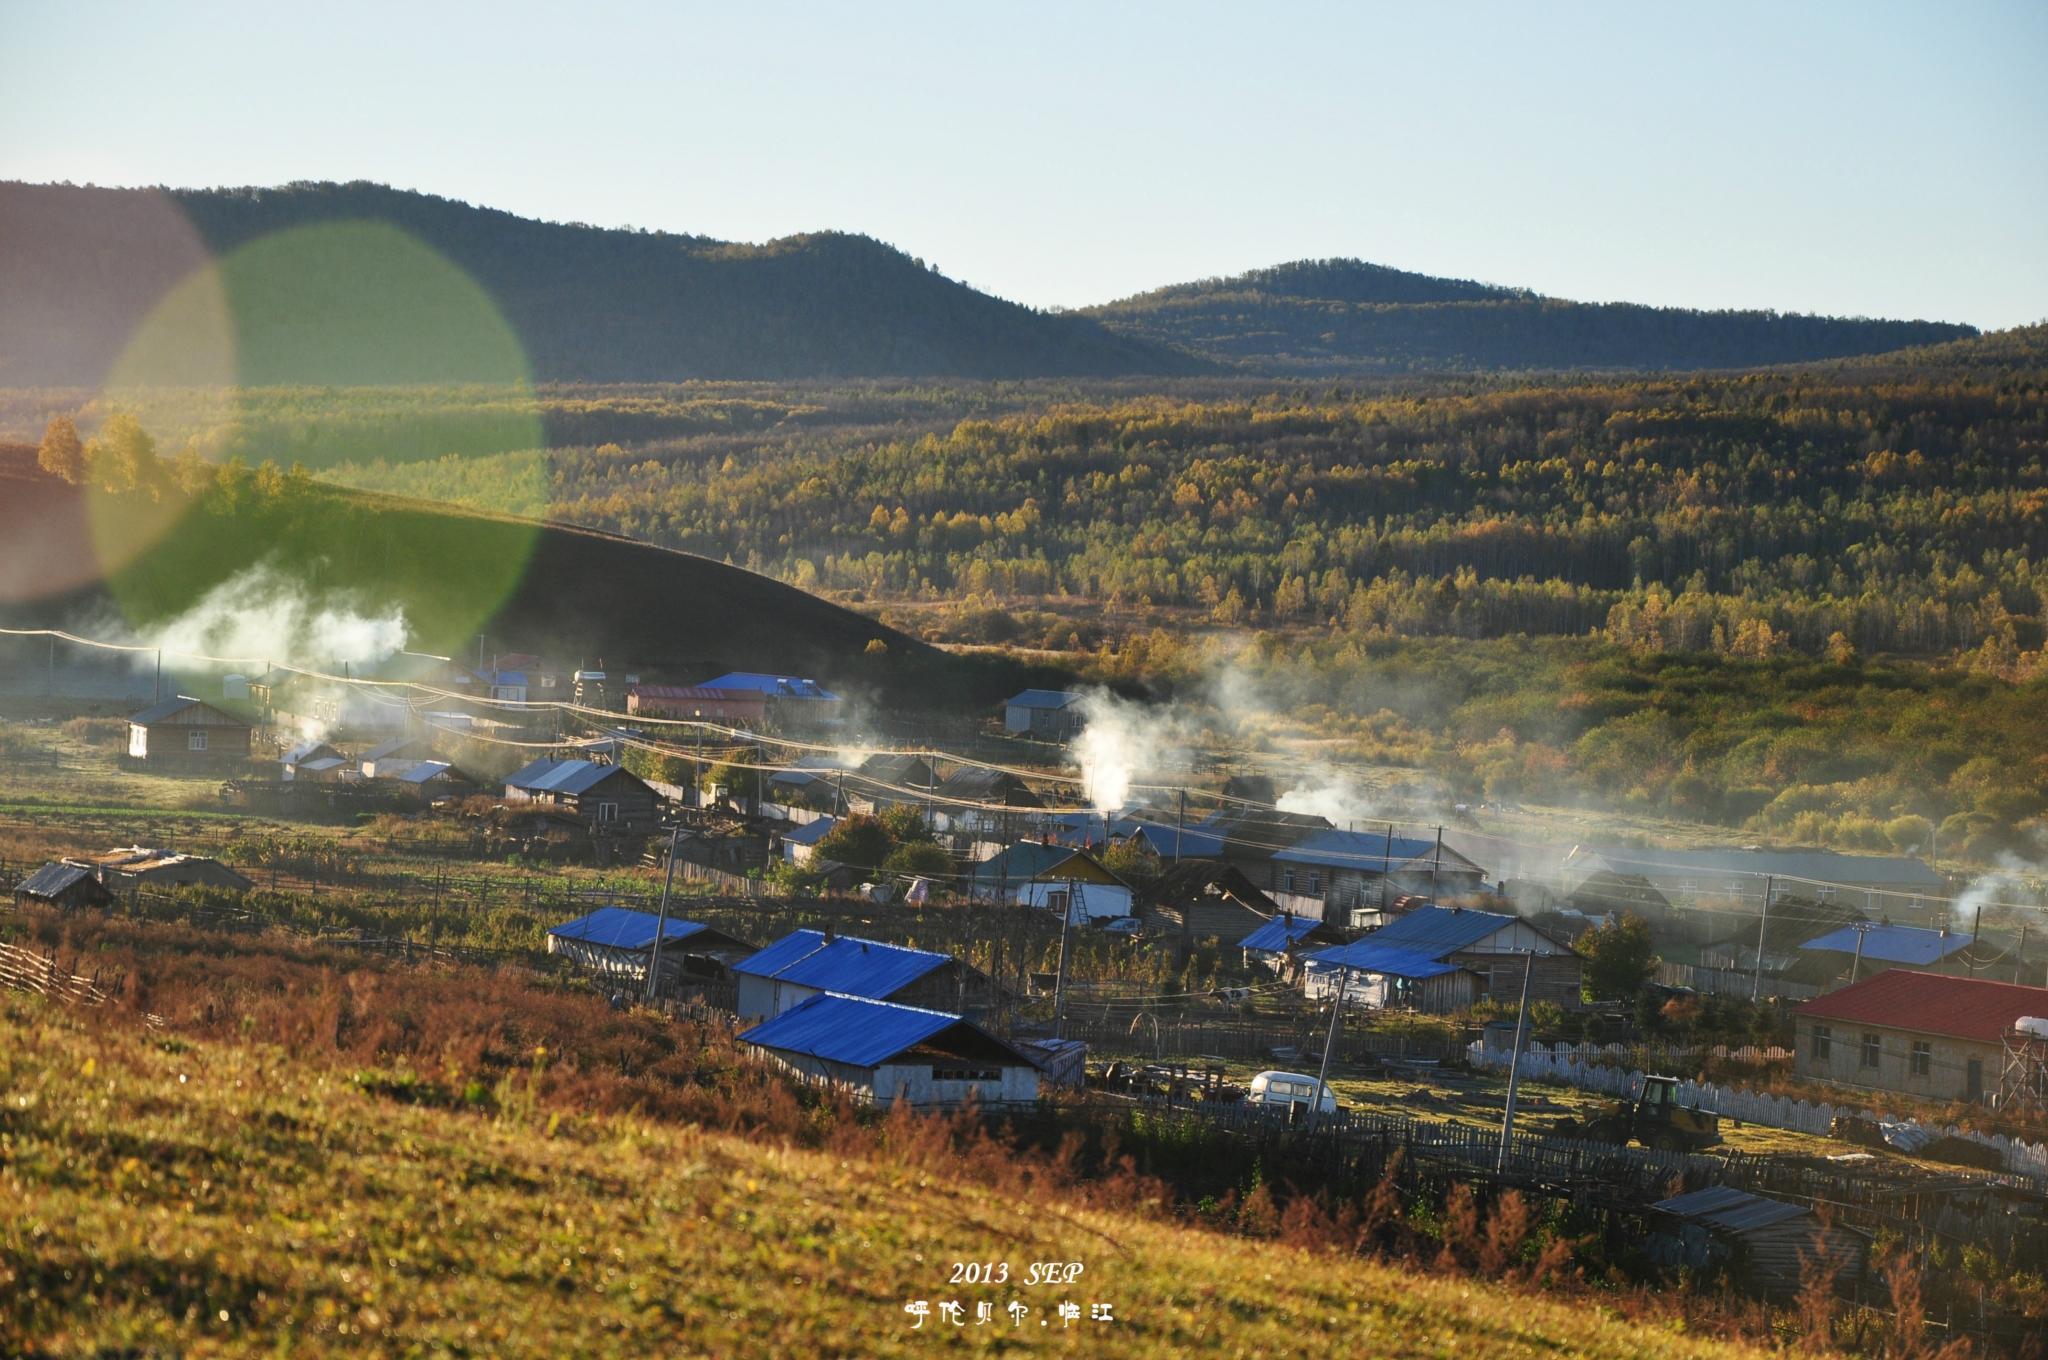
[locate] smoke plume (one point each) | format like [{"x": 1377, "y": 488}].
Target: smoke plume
[{"x": 261, "y": 614}]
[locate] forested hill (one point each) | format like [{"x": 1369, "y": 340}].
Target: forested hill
[
  {"x": 83, "y": 266},
  {"x": 1348, "y": 316}
]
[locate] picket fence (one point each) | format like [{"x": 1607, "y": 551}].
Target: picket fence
[{"x": 1577, "y": 1066}]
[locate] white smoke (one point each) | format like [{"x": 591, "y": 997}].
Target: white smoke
[
  {"x": 2007, "y": 896},
  {"x": 1124, "y": 742},
  {"x": 262, "y": 614},
  {"x": 1322, "y": 791}
]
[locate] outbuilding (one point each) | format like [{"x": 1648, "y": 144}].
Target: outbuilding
[
  {"x": 70, "y": 886},
  {"x": 620, "y": 942},
  {"x": 1336, "y": 874},
  {"x": 879, "y": 1053},
  {"x": 187, "y": 733},
  {"x": 1773, "y": 1247},
  {"x": 1046, "y": 714},
  {"x": 1382, "y": 976},
  {"x": 138, "y": 864},
  {"x": 603, "y": 795},
  {"x": 805, "y": 963}
]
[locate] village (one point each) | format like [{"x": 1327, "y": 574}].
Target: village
[{"x": 1731, "y": 1053}]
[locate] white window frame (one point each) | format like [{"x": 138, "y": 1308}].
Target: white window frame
[
  {"x": 607, "y": 812},
  {"x": 195, "y": 739}
]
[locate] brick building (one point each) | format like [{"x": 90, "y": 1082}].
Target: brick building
[{"x": 1913, "y": 1034}]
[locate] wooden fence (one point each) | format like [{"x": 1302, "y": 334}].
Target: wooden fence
[
  {"x": 1733, "y": 982},
  {"x": 1149, "y": 1036},
  {"x": 27, "y": 971}
]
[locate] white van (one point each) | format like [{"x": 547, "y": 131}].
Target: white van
[{"x": 1288, "y": 1088}]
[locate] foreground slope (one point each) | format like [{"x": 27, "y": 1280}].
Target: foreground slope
[
  {"x": 198, "y": 1198},
  {"x": 1345, "y": 315},
  {"x": 83, "y": 266}
]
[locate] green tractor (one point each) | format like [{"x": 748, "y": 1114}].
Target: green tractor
[{"x": 1655, "y": 1119}]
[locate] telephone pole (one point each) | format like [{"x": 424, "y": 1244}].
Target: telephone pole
[{"x": 1507, "y": 1122}]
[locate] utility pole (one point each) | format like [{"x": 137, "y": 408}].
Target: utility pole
[
  {"x": 53, "y": 665},
  {"x": 157, "y": 688},
  {"x": 2019, "y": 958},
  {"x": 1059, "y": 982},
  {"x": 1856, "y": 968},
  {"x": 1315, "y": 1109},
  {"x": 661, "y": 921},
  {"x": 1180, "y": 822},
  {"x": 1756, "y": 986},
  {"x": 1435, "y": 865},
  {"x": 1507, "y": 1123},
  {"x": 1387, "y": 871}
]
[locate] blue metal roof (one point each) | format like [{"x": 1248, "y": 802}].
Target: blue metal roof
[
  {"x": 1369, "y": 956},
  {"x": 624, "y": 929},
  {"x": 774, "y": 686},
  {"x": 1042, "y": 698},
  {"x": 1277, "y": 934},
  {"x": 425, "y": 770},
  {"x": 845, "y": 964},
  {"x": 1195, "y": 842},
  {"x": 563, "y": 776},
  {"x": 1893, "y": 944},
  {"x": 1437, "y": 931},
  {"x": 857, "y": 1031},
  {"x": 1365, "y": 850},
  {"x": 810, "y": 833}
]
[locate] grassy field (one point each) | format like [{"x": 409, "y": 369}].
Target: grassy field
[{"x": 175, "y": 1196}]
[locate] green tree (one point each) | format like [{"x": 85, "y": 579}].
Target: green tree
[
  {"x": 1620, "y": 957},
  {"x": 921, "y": 858},
  {"x": 61, "y": 454},
  {"x": 123, "y": 458},
  {"x": 859, "y": 840}
]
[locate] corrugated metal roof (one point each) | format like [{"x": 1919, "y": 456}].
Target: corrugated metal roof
[
  {"x": 621, "y": 928},
  {"x": 1437, "y": 931},
  {"x": 1366, "y": 850},
  {"x": 810, "y": 833},
  {"x": 1929, "y": 1003},
  {"x": 1193, "y": 842},
  {"x": 1366, "y": 956},
  {"x": 564, "y": 776},
  {"x": 775, "y": 686},
  {"x": 156, "y": 713},
  {"x": 857, "y": 1031},
  {"x": 1277, "y": 934},
  {"x": 846, "y": 964},
  {"x": 1737, "y": 1211},
  {"x": 1893, "y": 944},
  {"x": 425, "y": 770},
  {"x": 394, "y": 746},
  {"x": 1042, "y": 698},
  {"x": 52, "y": 879},
  {"x": 1029, "y": 861}
]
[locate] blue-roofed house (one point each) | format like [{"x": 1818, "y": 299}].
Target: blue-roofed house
[
  {"x": 1048, "y": 714},
  {"x": 620, "y": 942},
  {"x": 598, "y": 794},
  {"x": 1832, "y": 957},
  {"x": 1202, "y": 899},
  {"x": 1496, "y": 949},
  {"x": 801, "y": 843},
  {"x": 1057, "y": 878},
  {"x": 1383, "y": 975},
  {"x": 786, "y": 699},
  {"x": 1338, "y": 874},
  {"x": 805, "y": 963},
  {"x": 880, "y": 1052}
]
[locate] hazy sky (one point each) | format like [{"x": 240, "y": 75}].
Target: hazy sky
[{"x": 1855, "y": 158}]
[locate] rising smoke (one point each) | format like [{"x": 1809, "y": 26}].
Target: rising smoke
[{"x": 262, "y": 614}]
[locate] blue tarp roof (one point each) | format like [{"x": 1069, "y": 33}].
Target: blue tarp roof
[
  {"x": 621, "y": 928},
  {"x": 1369, "y": 956},
  {"x": 1365, "y": 850},
  {"x": 774, "y": 686},
  {"x": 563, "y": 776},
  {"x": 810, "y": 833},
  {"x": 1437, "y": 931},
  {"x": 1042, "y": 698},
  {"x": 1277, "y": 934},
  {"x": 857, "y": 1031},
  {"x": 1893, "y": 944},
  {"x": 845, "y": 964}
]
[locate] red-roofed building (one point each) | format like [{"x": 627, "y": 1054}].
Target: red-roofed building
[
  {"x": 1917, "y": 1034},
  {"x": 734, "y": 707}
]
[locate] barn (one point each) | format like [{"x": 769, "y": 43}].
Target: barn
[
  {"x": 879, "y": 1053},
  {"x": 620, "y": 942},
  {"x": 61, "y": 885},
  {"x": 805, "y": 963},
  {"x": 187, "y": 733}
]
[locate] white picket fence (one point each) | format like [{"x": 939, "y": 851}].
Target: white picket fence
[{"x": 1578, "y": 1066}]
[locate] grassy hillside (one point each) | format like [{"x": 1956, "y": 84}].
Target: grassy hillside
[
  {"x": 370, "y": 265},
  {"x": 1340, "y": 316},
  {"x": 315, "y": 1160}
]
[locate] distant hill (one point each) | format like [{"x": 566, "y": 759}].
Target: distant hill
[
  {"x": 1330, "y": 316},
  {"x": 83, "y": 266}
]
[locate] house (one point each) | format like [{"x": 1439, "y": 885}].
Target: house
[
  {"x": 1252, "y": 835},
  {"x": 800, "y": 844},
  {"x": 1336, "y": 874},
  {"x": 619, "y": 942},
  {"x": 1912, "y": 1033},
  {"x": 1770, "y": 1246},
  {"x": 1737, "y": 879},
  {"x": 813, "y": 783},
  {"x": 977, "y": 801},
  {"x": 1496, "y": 949},
  {"x": 785, "y": 699},
  {"x": 136, "y": 864},
  {"x": 67, "y": 885},
  {"x": 1057, "y": 878},
  {"x": 1046, "y": 714},
  {"x": 880, "y": 1053},
  {"x": 394, "y": 756},
  {"x": 890, "y": 778},
  {"x": 805, "y": 963},
  {"x": 185, "y": 733},
  {"x": 600, "y": 794},
  {"x": 1383, "y": 976},
  {"x": 1855, "y": 952},
  {"x": 427, "y": 780},
  {"x": 1793, "y": 921},
  {"x": 314, "y": 762},
  {"x": 729, "y": 707},
  {"x": 1201, "y": 899},
  {"x": 1166, "y": 841},
  {"x": 533, "y": 676}
]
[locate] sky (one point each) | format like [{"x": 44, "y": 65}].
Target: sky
[{"x": 1853, "y": 159}]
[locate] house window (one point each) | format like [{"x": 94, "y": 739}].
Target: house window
[
  {"x": 1923, "y": 1058},
  {"x": 1872, "y": 1050},
  {"x": 1823, "y": 1043},
  {"x": 1917, "y": 902},
  {"x": 967, "y": 1074},
  {"x": 1315, "y": 884},
  {"x": 1290, "y": 880},
  {"x": 195, "y": 740},
  {"x": 1824, "y": 893},
  {"x": 607, "y": 812}
]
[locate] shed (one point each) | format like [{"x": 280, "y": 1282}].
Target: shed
[
  {"x": 1828, "y": 957},
  {"x": 186, "y": 732},
  {"x": 1384, "y": 976},
  {"x": 619, "y": 941},
  {"x": 601, "y": 794},
  {"x": 70, "y": 886},
  {"x": 1283, "y": 935},
  {"x": 391, "y": 758},
  {"x": 434, "y": 779},
  {"x": 978, "y": 800},
  {"x": 806, "y": 963},
  {"x": 1772, "y": 1246},
  {"x": 1202, "y": 899},
  {"x": 801, "y": 843},
  {"x": 891, "y": 778},
  {"x": 879, "y": 1053},
  {"x": 1048, "y": 714}
]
